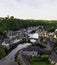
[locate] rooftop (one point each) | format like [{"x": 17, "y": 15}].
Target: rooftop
[
  {"x": 53, "y": 57},
  {"x": 33, "y": 48}
]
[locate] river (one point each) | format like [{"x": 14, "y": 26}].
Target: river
[{"x": 10, "y": 58}]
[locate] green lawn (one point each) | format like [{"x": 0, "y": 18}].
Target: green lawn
[
  {"x": 2, "y": 51},
  {"x": 43, "y": 60},
  {"x": 40, "y": 63}
]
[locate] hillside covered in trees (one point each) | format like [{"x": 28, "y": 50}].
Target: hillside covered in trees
[{"x": 11, "y": 23}]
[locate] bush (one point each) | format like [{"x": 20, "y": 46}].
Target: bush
[
  {"x": 2, "y": 52},
  {"x": 55, "y": 44},
  {"x": 16, "y": 56},
  {"x": 23, "y": 41}
]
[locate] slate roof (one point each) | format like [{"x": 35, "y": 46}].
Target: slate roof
[
  {"x": 55, "y": 49},
  {"x": 6, "y": 40},
  {"x": 53, "y": 57},
  {"x": 47, "y": 40},
  {"x": 34, "y": 48}
]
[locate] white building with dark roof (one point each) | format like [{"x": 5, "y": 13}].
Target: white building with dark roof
[
  {"x": 32, "y": 51},
  {"x": 55, "y": 30}
]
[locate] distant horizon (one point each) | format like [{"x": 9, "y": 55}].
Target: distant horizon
[{"x": 29, "y": 18}]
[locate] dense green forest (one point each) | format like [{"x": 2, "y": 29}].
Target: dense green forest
[{"x": 11, "y": 23}]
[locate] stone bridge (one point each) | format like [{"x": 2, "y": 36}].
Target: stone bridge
[{"x": 33, "y": 38}]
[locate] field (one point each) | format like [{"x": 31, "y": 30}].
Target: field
[{"x": 40, "y": 63}]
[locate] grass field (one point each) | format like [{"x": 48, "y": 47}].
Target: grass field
[{"x": 40, "y": 63}]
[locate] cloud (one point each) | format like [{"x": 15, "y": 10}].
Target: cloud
[
  {"x": 30, "y": 3},
  {"x": 37, "y": 9}
]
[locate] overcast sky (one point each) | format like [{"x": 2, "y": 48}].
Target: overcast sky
[{"x": 29, "y": 9}]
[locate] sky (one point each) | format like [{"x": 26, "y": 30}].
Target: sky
[{"x": 29, "y": 9}]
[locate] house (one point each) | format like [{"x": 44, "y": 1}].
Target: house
[
  {"x": 48, "y": 48},
  {"x": 50, "y": 34},
  {"x": 47, "y": 44},
  {"x": 13, "y": 34},
  {"x": 14, "y": 40},
  {"x": 32, "y": 51},
  {"x": 55, "y": 49},
  {"x": 6, "y": 42},
  {"x": 56, "y": 31},
  {"x": 45, "y": 34},
  {"x": 34, "y": 36},
  {"x": 45, "y": 41},
  {"x": 53, "y": 58}
]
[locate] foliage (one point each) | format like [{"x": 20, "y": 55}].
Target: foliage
[
  {"x": 2, "y": 51},
  {"x": 40, "y": 63},
  {"x": 16, "y": 56},
  {"x": 37, "y": 61},
  {"x": 23, "y": 41},
  {"x": 11, "y": 23},
  {"x": 55, "y": 44}
]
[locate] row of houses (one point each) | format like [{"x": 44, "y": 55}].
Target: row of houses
[
  {"x": 15, "y": 34},
  {"x": 45, "y": 33},
  {"x": 20, "y": 33},
  {"x": 32, "y": 51},
  {"x": 37, "y": 50},
  {"x": 14, "y": 37}
]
